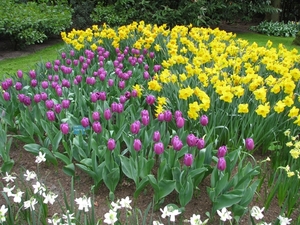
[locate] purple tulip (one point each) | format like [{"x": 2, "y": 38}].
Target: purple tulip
[
  {"x": 191, "y": 140},
  {"x": 122, "y": 84},
  {"x": 146, "y": 67},
  {"x": 55, "y": 68},
  {"x": 177, "y": 144},
  {"x": 6, "y": 96},
  {"x": 159, "y": 148},
  {"x": 37, "y": 98},
  {"x": 161, "y": 117},
  {"x": 34, "y": 83},
  {"x": 58, "y": 91},
  {"x": 102, "y": 76},
  {"x": 44, "y": 84},
  {"x": 57, "y": 62},
  {"x": 18, "y": 86},
  {"x": 9, "y": 82},
  {"x": 146, "y": 75},
  {"x": 156, "y": 136},
  {"x": 65, "y": 83},
  {"x": 75, "y": 62},
  {"x": 221, "y": 164},
  {"x": 249, "y": 144},
  {"x": 44, "y": 96},
  {"x": 49, "y": 104},
  {"x": 101, "y": 95},
  {"x": 72, "y": 53},
  {"x": 27, "y": 101},
  {"x": 64, "y": 127},
  {"x": 65, "y": 103},
  {"x": 137, "y": 145},
  {"x": 135, "y": 127},
  {"x": 120, "y": 108},
  {"x": 110, "y": 82},
  {"x": 85, "y": 122},
  {"x": 21, "y": 97},
  {"x": 96, "y": 116},
  {"x": 54, "y": 84},
  {"x": 56, "y": 78},
  {"x": 57, "y": 108},
  {"x": 168, "y": 115},
  {"x": 97, "y": 128},
  {"x": 127, "y": 94},
  {"x": 32, "y": 74},
  {"x": 94, "y": 97},
  {"x": 177, "y": 114},
  {"x": 123, "y": 99},
  {"x": 107, "y": 114},
  {"x": 20, "y": 73},
  {"x": 150, "y": 99},
  {"x": 50, "y": 115},
  {"x": 78, "y": 78},
  {"x": 156, "y": 68},
  {"x": 200, "y": 143},
  {"x": 63, "y": 55},
  {"x": 144, "y": 112},
  {"x": 180, "y": 122},
  {"x": 188, "y": 159},
  {"x": 151, "y": 55},
  {"x": 90, "y": 80},
  {"x": 68, "y": 61},
  {"x": 222, "y": 151},
  {"x": 4, "y": 85},
  {"x": 50, "y": 77},
  {"x": 111, "y": 144},
  {"x": 204, "y": 120},
  {"x": 145, "y": 120},
  {"x": 134, "y": 93}
]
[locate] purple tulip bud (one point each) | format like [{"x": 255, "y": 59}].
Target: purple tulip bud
[
  {"x": 137, "y": 145},
  {"x": 146, "y": 75},
  {"x": 75, "y": 62},
  {"x": 151, "y": 55},
  {"x": 6, "y": 96},
  {"x": 150, "y": 99},
  {"x": 50, "y": 115},
  {"x": 81, "y": 59},
  {"x": 55, "y": 68},
  {"x": 249, "y": 144},
  {"x": 20, "y": 73},
  {"x": 90, "y": 80},
  {"x": 18, "y": 86},
  {"x": 68, "y": 61},
  {"x": 191, "y": 140},
  {"x": 123, "y": 99},
  {"x": 65, "y": 103},
  {"x": 114, "y": 107},
  {"x": 72, "y": 52},
  {"x": 49, "y": 104},
  {"x": 32, "y": 74},
  {"x": 101, "y": 95},
  {"x": 159, "y": 148},
  {"x": 188, "y": 159},
  {"x": 44, "y": 96},
  {"x": 45, "y": 84},
  {"x": 58, "y": 91},
  {"x": 144, "y": 112},
  {"x": 161, "y": 117},
  {"x": 48, "y": 65},
  {"x": 54, "y": 84},
  {"x": 121, "y": 84},
  {"x": 156, "y": 136},
  {"x": 57, "y": 62},
  {"x": 85, "y": 122},
  {"x": 34, "y": 83},
  {"x": 96, "y": 116},
  {"x": 57, "y": 108},
  {"x": 134, "y": 93},
  {"x": 177, "y": 144},
  {"x": 200, "y": 143},
  {"x": 50, "y": 78},
  {"x": 78, "y": 78},
  {"x": 94, "y": 97},
  {"x": 146, "y": 67},
  {"x": 204, "y": 120},
  {"x": 111, "y": 144},
  {"x": 107, "y": 114},
  {"x": 221, "y": 164},
  {"x": 102, "y": 76},
  {"x": 145, "y": 120},
  {"x": 37, "y": 98},
  {"x": 64, "y": 127},
  {"x": 97, "y": 128},
  {"x": 168, "y": 115},
  {"x": 127, "y": 94},
  {"x": 21, "y": 97},
  {"x": 56, "y": 78},
  {"x": 63, "y": 55},
  {"x": 9, "y": 82},
  {"x": 65, "y": 83},
  {"x": 110, "y": 82},
  {"x": 135, "y": 127},
  {"x": 120, "y": 108},
  {"x": 4, "y": 85},
  {"x": 222, "y": 151},
  {"x": 156, "y": 68},
  {"x": 27, "y": 101},
  {"x": 180, "y": 122},
  {"x": 177, "y": 114}
]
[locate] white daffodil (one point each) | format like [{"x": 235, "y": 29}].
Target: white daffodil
[
  {"x": 170, "y": 212},
  {"x": 9, "y": 178},
  {"x": 224, "y": 214},
  {"x": 125, "y": 203},
  {"x": 165, "y": 212},
  {"x": 39, "y": 188},
  {"x": 3, "y": 211},
  {"x": 284, "y": 220},
  {"x": 195, "y": 220},
  {"x": 256, "y": 212},
  {"x": 157, "y": 223},
  {"x": 116, "y": 205},
  {"x": 40, "y": 158},
  {"x": 18, "y": 196},
  {"x": 30, "y": 175},
  {"x": 83, "y": 203},
  {"x": 110, "y": 217},
  {"x": 30, "y": 204},
  {"x": 49, "y": 197},
  {"x": 8, "y": 190},
  {"x": 174, "y": 213}
]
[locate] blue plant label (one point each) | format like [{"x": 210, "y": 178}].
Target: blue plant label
[{"x": 79, "y": 129}]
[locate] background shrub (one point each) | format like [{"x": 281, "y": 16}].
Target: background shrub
[{"x": 29, "y": 23}]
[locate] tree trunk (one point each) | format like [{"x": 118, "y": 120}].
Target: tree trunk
[{"x": 274, "y": 16}]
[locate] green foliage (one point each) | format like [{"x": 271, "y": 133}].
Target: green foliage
[
  {"x": 81, "y": 13},
  {"x": 31, "y": 23},
  {"x": 289, "y": 29},
  {"x": 297, "y": 39}
]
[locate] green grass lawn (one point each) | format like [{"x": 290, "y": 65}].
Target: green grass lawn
[
  {"x": 9, "y": 67},
  {"x": 12, "y": 65}
]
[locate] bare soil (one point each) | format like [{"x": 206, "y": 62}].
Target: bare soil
[{"x": 58, "y": 182}]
